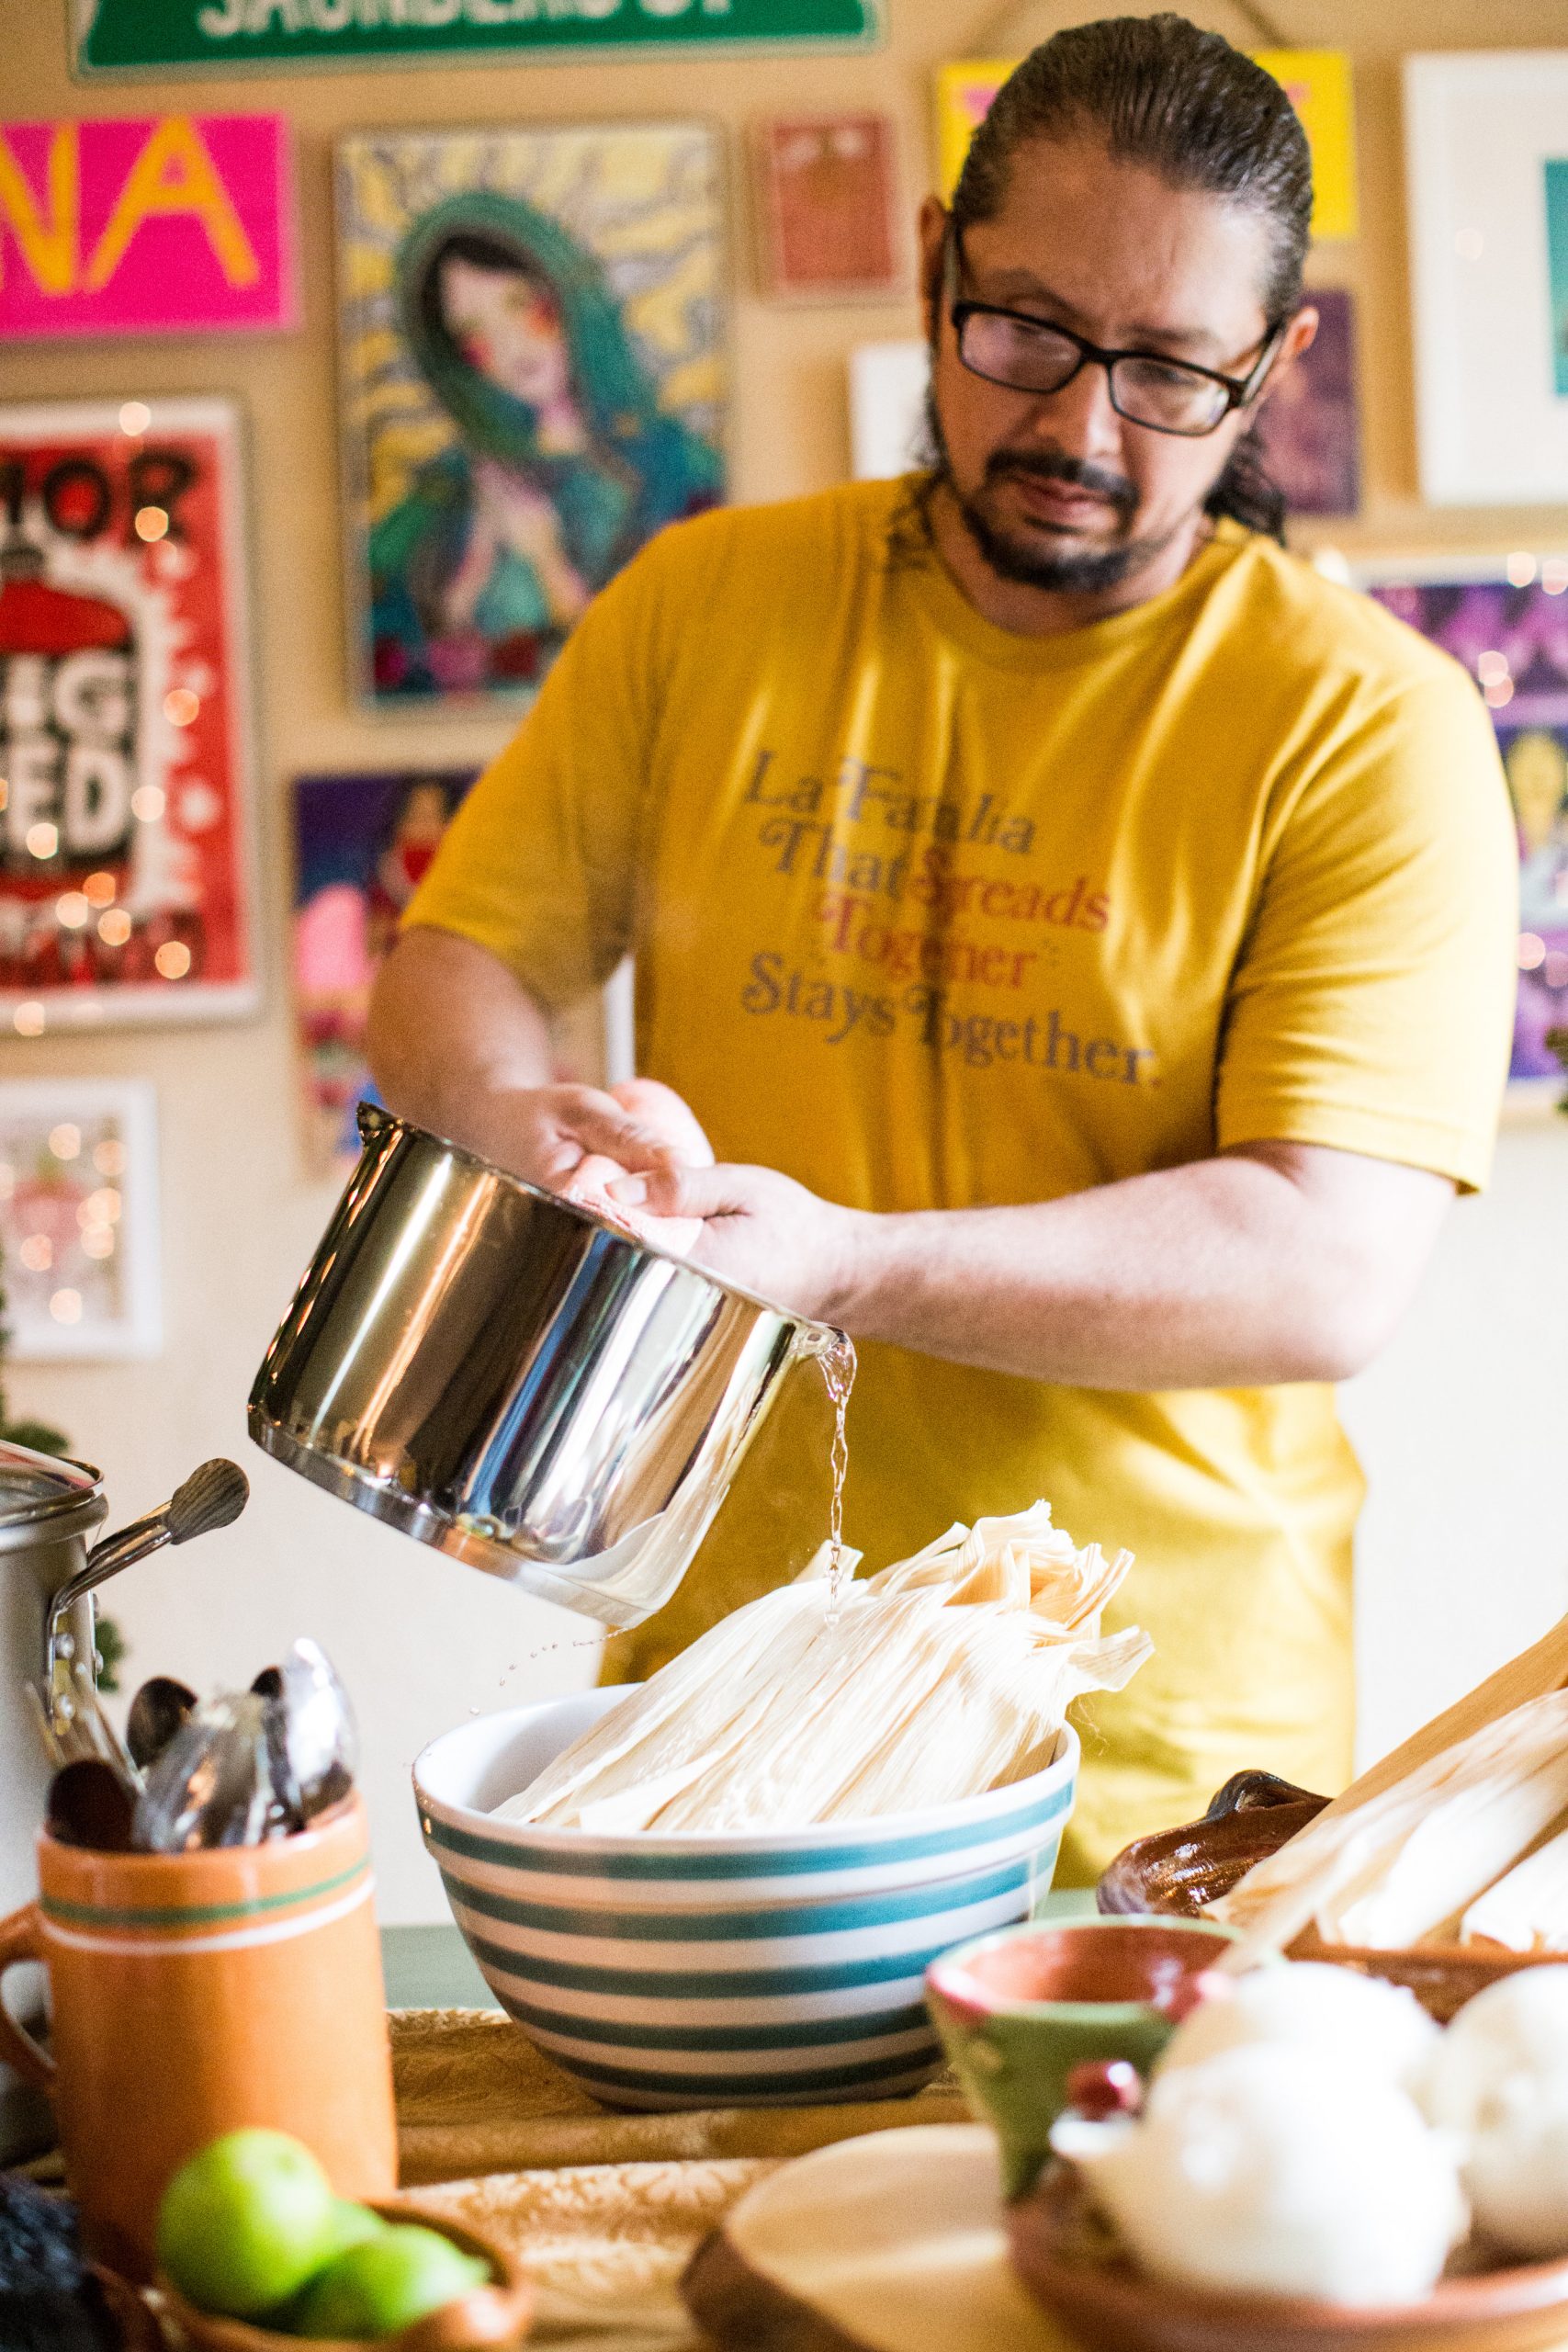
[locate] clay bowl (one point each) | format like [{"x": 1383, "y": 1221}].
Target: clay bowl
[
  {"x": 139, "y": 2331},
  {"x": 1018, "y": 2009},
  {"x": 1098, "y": 2297},
  {"x": 492, "y": 2319},
  {"x": 1177, "y": 1873}
]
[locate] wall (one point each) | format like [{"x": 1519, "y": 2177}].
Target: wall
[{"x": 1464, "y": 1559}]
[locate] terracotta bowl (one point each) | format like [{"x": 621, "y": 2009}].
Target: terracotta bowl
[
  {"x": 1177, "y": 1873},
  {"x": 1098, "y": 2297},
  {"x": 1020, "y": 2008},
  {"x": 490, "y": 2319}
]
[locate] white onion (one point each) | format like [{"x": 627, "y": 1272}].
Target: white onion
[
  {"x": 1519, "y": 2024},
  {"x": 1378, "y": 2027},
  {"x": 1277, "y": 2169},
  {"x": 1516, "y": 2168}
]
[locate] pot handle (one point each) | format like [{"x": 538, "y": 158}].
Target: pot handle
[
  {"x": 20, "y": 1940},
  {"x": 371, "y": 1119}
]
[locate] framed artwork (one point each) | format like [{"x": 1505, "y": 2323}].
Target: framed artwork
[
  {"x": 1506, "y": 620},
  {"x": 79, "y": 1218},
  {"x": 1317, "y": 82},
  {"x": 152, "y": 225},
  {"x": 532, "y": 384},
  {"x": 127, "y": 851},
  {"x": 827, "y": 206},
  {"x": 1487, "y": 152},
  {"x": 362, "y": 846},
  {"x": 1309, "y": 430},
  {"x": 888, "y": 383}
]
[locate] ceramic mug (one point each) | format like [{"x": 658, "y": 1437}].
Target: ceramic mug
[
  {"x": 1018, "y": 2009},
  {"x": 192, "y": 1994}
]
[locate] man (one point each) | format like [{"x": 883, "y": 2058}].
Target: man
[{"x": 1084, "y": 934}]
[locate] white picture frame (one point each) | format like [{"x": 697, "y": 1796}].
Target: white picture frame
[
  {"x": 888, "y": 383},
  {"x": 1481, "y": 127},
  {"x": 79, "y": 1219}
]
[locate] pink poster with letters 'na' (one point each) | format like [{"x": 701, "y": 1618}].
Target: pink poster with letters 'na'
[{"x": 154, "y": 224}]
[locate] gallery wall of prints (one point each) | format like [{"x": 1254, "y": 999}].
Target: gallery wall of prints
[{"x": 280, "y": 565}]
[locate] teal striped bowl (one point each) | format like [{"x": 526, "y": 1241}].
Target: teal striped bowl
[{"x": 692, "y": 1972}]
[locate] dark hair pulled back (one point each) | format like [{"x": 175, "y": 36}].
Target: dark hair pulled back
[{"x": 1187, "y": 106}]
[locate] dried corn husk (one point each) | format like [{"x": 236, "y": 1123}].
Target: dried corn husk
[
  {"x": 1401, "y": 1868},
  {"x": 947, "y": 1674},
  {"x": 1527, "y": 1909}
]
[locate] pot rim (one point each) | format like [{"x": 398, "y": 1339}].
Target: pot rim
[{"x": 380, "y": 1118}]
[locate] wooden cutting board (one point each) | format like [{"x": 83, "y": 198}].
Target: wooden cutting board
[{"x": 890, "y": 2243}]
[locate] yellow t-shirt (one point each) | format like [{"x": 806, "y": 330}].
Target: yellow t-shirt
[{"x": 933, "y": 916}]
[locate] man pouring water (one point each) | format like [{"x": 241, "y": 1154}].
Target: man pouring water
[{"x": 1082, "y": 933}]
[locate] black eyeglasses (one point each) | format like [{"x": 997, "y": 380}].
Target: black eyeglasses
[{"x": 1029, "y": 355}]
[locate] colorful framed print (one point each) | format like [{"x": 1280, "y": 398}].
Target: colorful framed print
[
  {"x": 79, "y": 1218},
  {"x": 126, "y": 852},
  {"x": 1309, "y": 428},
  {"x": 362, "y": 846},
  {"x": 162, "y": 224},
  {"x": 964, "y": 89},
  {"x": 1317, "y": 82},
  {"x": 1505, "y": 619},
  {"x": 1486, "y": 153},
  {"x": 534, "y": 383},
  {"x": 827, "y": 206}
]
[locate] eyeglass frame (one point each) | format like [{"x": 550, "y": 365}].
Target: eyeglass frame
[{"x": 1239, "y": 391}]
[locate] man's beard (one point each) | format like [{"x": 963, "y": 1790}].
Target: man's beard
[{"x": 1026, "y": 561}]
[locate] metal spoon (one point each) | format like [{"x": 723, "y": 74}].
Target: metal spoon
[
  {"x": 91, "y": 1805},
  {"x": 157, "y": 1712},
  {"x": 216, "y": 1783}
]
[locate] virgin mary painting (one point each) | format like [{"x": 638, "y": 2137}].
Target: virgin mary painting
[{"x": 560, "y": 465}]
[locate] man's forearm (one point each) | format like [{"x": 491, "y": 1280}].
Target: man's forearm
[
  {"x": 1228, "y": 1272},
  {"x": 450, "y": 1031}
]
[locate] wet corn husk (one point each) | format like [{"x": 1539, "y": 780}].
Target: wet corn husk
[
  {"x": 946, "y": 1675},
  {"x": 1527, "y": 1910},
  {"x": 1408, "y": 1866}
]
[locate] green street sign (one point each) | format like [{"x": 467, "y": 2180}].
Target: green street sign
[{"x": 223, "y": 35}]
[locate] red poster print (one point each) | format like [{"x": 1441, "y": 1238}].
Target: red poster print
[
  {"x": 125, "y": 848},
  {"x": 826, "y": 206}
]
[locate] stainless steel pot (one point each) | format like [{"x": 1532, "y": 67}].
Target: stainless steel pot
[
  {"x": 48, "y": 1509},
  {"x": 506, "y": 1376}
]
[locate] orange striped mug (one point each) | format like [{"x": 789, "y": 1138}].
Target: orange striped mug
[{"x": 193, "y": 1993}]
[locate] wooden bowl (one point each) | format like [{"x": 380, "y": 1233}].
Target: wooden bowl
[
  {"x": 139, "y": 2331},
  {"x": 490, "y": 2319},
  {"x": 1064, "y": 2257},
  {"x": 1179, "y": 1872}
]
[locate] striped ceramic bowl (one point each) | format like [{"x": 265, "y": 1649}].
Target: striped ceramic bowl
[{"x": 724, "y": 1971}]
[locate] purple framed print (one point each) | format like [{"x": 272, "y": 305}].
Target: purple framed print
[{"x": 1505, "y": 619}]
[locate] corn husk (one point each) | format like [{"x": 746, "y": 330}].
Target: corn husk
[
  {"x": 1527, "y": 1909},
  {"x": 948, "y": 1674},
  {"x": 1402, "y": 1868}
]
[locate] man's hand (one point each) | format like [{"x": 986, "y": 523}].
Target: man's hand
[{"x": 758, "y": 1228}]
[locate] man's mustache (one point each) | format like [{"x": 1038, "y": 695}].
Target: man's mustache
[{"x": 1054, "y": 465}]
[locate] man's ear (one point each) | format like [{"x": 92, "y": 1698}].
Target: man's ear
[
  {"x": 1300, "y": 336},
  {"x": 934, "y": 247}
]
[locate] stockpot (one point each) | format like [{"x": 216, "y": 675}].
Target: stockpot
[
  {"x": 507, "y": 1376},
  {"x": 48, "y": 1509}
]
